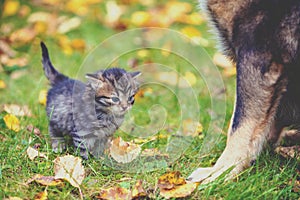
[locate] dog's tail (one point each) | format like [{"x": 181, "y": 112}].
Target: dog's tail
[{"x": 50, "y": 72}]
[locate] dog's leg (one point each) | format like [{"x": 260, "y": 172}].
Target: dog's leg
[{"x": 260, "y": 84}]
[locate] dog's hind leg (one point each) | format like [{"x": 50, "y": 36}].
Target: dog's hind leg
[{"x": 260, "y": 85}]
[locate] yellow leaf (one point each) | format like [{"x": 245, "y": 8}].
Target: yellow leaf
[
  {"x": 143, "y": 53},
  {"x": 229, "y": 71},
  {"x": 176, "y": 9},
  {"x": 40, "y": 27},
  {"x": 45, "y": 180},
  {"x": 41, "y": 195},
  {"x": 13, "y": 198},
  {"x": 11, "y": 7},
  {"x": 115, "y": 193},
  {"x": 138, "y": 191},
  {"x": 78, "y": 7},
  {"x": 175, "y": 79},
  {"x": 179, "y": 191},
  {"x": 78, "y": 44},
  {"x": 193, "y": 19},
  {"x": 33, "y": 153},
  {"x": 191, "y": 127},
  {"x": 190, "y": 77},
  {"x": 222, "y": 61},
  {"x": 140, "y": 18},
  {"x": 190, "y": 32},
  {"x": 2, "y": 84},
  {"x": 172, "y": 185},
  {"x": 70, "y": 169},
  {"x": 12, "y": 122},
  {"x": 24, "y": 35},
  {"x": 124, "y": 152},
  {"x": 43, "y": 97},
  {"x": 166, "y": 49}
]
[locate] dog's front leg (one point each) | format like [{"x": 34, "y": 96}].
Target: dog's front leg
[{"x": 260, "y": 84}]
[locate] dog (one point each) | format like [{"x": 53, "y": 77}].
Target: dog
[{"x": 263, "y": 39}]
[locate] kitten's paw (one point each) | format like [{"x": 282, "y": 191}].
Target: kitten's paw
[
  {"x": 58, "y": 146},
  {"x": 84, "y": 154}
]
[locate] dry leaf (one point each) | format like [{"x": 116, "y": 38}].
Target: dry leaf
[
  {"x": 115, "y": 193},
  {"x": 124, "y": 152},
  {"x": 33, "y": 130},
  {"x": 2, "y": 84},
  {"x": 43, "y": 97},
  {"x": 13, "y": 198},
  {"x": 17, "y": 110},
  {"x": 41, "y": 195},
  {"x": 45, "y": 180},
  {"x": 24, "y": 35},
  {"x": 10, "y": 8},
  {"x": 12, "y": 122},
  {"x": 140, "y": 18},
  {"x": 222, "y": 61},
  {"x": 138, "y": 191},
  {"x": 114, "y": 12},
  {"x": 33, "y": 153},
  {"x": 68, "y": 25},
  {"x": 179, "y": 191},
  {"x": 229, "y": 71},
  {"x": 78, "y": 44},
  {"x": 288, "y": 152},
  {"x": 174, "y": 79},
  {"x": 191, "y": 127},
  {"x": 172, "y": 185},
  {"x": 70, "y": 169}
]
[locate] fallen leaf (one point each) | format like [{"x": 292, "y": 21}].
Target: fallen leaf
[
  {"x": 172, "y": 185},
  {"x": 78, "y": 44},
  {"x": 190, "y": 32},
  {"x": 138, "y": 191},
  {"x": 124, "y": 152},
  {"x": 222, "y": 61},
  {"x": 289, "y": 152},
  {"x": 24, "y": 35},
  {"x": 17, "y": 110},
  {"x": 70, "y": 169},
  {"x": 115, "y": 193},
  {"x": 229, "y": 71},
  {"x": 12, "y": 122},
  {"x": 13, "y": 198},
  {"x": 41, "y": 195},
  {"x": 10, "y": 8},
  {"x": 140, "y": 18},
  {"x": 194, "y": 18},
  {"x": 175, "y": 79},
  {"x": 43, "y": 97},
  {"x": 114, "y": 12},
  {"x": 45, "y": 180},
  {"x": 5, "y": 47},
  {"x": 170, "y": 180},
  {"x": 33, "y": 153},
  {"x": 179, "y": 191},
  {"x": 33, "y": 130},
  {"x": 68, "y": 25},
  {"x": 143, "y": 53},
  {"x": 2, "y": 84},
  {"x": 191, "y": 127}
]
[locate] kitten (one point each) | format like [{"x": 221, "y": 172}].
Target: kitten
[{"x": 90, "y": 113}]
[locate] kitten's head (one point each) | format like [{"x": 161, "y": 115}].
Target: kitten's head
[{"x": 114, "y": 90}]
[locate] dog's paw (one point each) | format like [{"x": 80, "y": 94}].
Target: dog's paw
[{"x": 200, "y": 174}]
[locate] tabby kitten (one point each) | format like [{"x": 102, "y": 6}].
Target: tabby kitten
[{"x": 90, "y": 113}]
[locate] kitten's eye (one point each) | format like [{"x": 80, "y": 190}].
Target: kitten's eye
[
  {"x": 115, "y": 99},
  {"x": 131, "y": 99}
]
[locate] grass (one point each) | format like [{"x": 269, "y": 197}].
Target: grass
[{"x": 269, "y": 178}]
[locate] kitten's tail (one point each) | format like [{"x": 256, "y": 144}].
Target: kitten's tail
[{"x": 50, "y": 72}]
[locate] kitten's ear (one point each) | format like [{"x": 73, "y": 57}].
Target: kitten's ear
[
  {"x": 134, "y": 74},
  {"x": 96, "y": 80}
]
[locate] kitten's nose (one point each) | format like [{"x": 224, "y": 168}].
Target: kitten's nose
[{"x": 124, "y": 107}]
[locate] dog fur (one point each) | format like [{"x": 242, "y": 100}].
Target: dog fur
[{"x": 263, "y": 39}]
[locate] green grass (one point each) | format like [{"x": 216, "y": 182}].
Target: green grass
[{"x": 268, "y": 179}]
